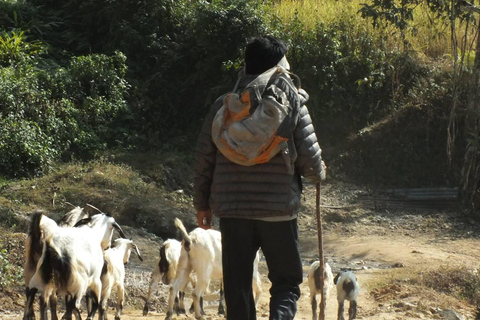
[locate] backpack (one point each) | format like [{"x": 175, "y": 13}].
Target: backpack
[{"x": 254, "y": 125}]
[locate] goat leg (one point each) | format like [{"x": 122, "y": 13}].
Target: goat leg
[
  {"x": 70, "y": 306},
  {"x": 352, "y": 310},
  {"x": 314, "y": 306},
  {"x": 53, "y": 306},
  {"x": 120, "y": 294},
  {"x": 43, "y": 309},
  {"x": 28, "y": 313},
  {"x": 192, "y": 307},
  {"x": 340, "y": 310},
  {"x": 95, "y": 305},
  {"x": 180, "y": 303}
]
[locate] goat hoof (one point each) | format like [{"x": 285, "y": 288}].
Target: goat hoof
[
  {"x": 117, "y": 317},
  {"x": 145, "y": 310},
  {"x": 169, "y": 315}
]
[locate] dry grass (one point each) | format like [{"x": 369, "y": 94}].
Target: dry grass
[
  {"x": 134, "y": 196},
  {"x": 454, "y": 288},
  {"x": 427, "y": 34}
]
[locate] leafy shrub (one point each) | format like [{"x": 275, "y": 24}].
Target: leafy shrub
[
  {"x": 48, "y": 111},
  {"x": 24, "y": 147},
  {"x": 193, "y": 64},
  {"x": 14, "y": 48},
  {"x": 345, "y": 72}
]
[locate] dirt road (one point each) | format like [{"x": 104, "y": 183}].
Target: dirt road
[{"x": 390, "y": 249}]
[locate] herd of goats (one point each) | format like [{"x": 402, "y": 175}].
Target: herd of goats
[{"x": 75, "y": 258}]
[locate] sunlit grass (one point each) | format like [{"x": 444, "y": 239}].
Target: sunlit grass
[{"x": 427, "y": 34}]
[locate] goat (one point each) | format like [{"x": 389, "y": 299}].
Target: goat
[
  {"x": 166, "y": 270},
  {"x": 115, "y": 259},
  {"x": 72, "y": 260},
  {"x": 202, "y": 254},
  {"x": 347, "y": 289},
  {"x": 315, "y": 284},
  {"x": 33, "y": 252}
]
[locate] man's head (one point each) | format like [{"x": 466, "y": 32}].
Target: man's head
[{"x": 263, "y": 53}]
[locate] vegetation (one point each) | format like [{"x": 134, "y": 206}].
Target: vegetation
[
  {"x": 11, "y": 261},
  {"x": 83, "y": 79},
  {"x": 458, "y": 282}
]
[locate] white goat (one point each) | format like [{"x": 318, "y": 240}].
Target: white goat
[
  {"x": 202, "y": 254},
  {"x": 116, "y": 258},
  {"x": 347, "y": 289},
  {"x": 314, "y": 284},
  {"x": 33, "y": 252},
  {"x": 72, "y": 260},
  {"x": 166, "y": 270}
]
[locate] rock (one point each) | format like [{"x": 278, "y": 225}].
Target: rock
[{"x": 449, "y": 314}]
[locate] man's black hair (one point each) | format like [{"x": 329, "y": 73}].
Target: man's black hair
[{"x": 263, "y": 53}]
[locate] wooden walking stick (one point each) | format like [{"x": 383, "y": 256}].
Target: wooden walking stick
[{"x": 320, "y": 255}]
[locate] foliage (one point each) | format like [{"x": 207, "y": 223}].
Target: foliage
[
  {"x": 14, "y": 48},
  {"x": 50, "y": 112},
  {"x": 11, "y": 256},
  {"x": 142, "y": 76},
  {"x": 348, "y": 74},
  {"x": 191, "y": 70}
]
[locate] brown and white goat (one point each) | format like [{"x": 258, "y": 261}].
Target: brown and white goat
[{"x": 315, "y": 284}]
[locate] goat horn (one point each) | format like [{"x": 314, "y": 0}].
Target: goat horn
[
  {"x": 66, "y": 202},
  {"x": 95, "y": 208},
  {"x": 117, "y": 226},
  {"x": 138, "y": 253}
]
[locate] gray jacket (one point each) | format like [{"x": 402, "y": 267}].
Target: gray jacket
[{"x": 261, "y": 191}]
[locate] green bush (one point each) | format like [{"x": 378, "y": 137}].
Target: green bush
[
  {"x": 47, "y": 111},
  {"x": 24, "y": 147}
]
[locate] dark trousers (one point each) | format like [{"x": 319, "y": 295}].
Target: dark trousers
[{"x": 241, "y": 238}]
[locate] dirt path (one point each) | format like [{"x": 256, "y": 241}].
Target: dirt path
[{"x": 388, "y": 249}]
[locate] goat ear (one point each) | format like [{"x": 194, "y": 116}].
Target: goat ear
[
  {"x": 83, "y": 222},
  {"x": 336, "y": 278}
]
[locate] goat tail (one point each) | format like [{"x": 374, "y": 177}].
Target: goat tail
[
  {"x": 34, "y": 246},
  {"x": 35, "y": 232},
  {"x": 185, "y": 235}
]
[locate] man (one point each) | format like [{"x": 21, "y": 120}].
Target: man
[{"x": 257, "y": 205}]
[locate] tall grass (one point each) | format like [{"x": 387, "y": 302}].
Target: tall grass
[{"x": 428, "y": 34}]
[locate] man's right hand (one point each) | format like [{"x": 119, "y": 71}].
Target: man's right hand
[{"x": 204, "y": 219}]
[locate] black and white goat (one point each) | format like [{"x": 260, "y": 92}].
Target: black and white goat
[
  {"x": 202, "y": 254},
  {"x": 33, "y": 252},
  {"x": 347, "y": 289},
  {"x": 315, "y": 284},
  {"x": 72, "y": 260},
  {"x": 116, "y": 258}
]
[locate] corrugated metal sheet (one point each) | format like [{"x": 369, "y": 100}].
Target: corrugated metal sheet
[
  {"x": 425, "y": 198},
  {"x": 425, "y": 193}
]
